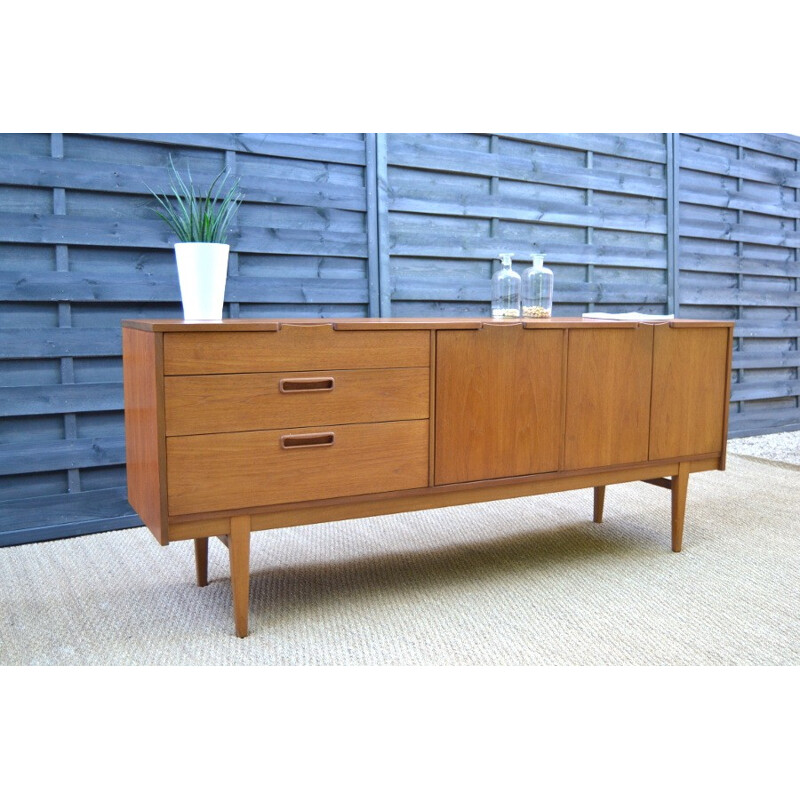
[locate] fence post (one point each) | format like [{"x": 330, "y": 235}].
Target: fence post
[
  {"x": 371, "y": 186},
  {"x": 382, "y": 187},
  {"x": 673, "y": 225}
]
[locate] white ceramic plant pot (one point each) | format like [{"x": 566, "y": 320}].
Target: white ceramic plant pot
[{"x": 202, "y": 272}]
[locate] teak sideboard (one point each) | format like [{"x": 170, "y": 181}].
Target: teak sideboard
[{"x": 246, "y": 425}]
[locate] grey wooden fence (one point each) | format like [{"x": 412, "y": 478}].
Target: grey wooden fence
[
  {"x": 738, "y": 246},
  {"x": 364, "y": 224},
  {"x": 596, "y": 204},
  {"x": 80, "y": 251}
]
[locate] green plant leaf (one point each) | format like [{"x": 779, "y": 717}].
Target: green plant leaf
[{"x": 194, "y": 216}]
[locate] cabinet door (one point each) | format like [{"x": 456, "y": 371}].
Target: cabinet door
[
  {"x": 498, "y": 403},
  {"x": 690, "y": 387},
  {"x": 608, "y": 396}
]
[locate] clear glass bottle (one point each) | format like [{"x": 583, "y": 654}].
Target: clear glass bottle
[
  {"x": 537, "y": 289},
  {"x": 506, "y": 285}
]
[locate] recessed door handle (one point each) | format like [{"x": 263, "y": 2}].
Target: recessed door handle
[
  {"x": 296, "y": 440},
  {"x": 289, "y": 385}
]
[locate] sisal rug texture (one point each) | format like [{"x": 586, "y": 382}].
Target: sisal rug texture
[
  {"x": 771, "y": 446},
  {"x": 515, "y": 582}
]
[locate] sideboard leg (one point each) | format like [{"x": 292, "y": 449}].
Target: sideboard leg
[
  {"x": 201, "y": 561},
  {"x": 599, "y": 501},
  {"x": 239, "y": 550},
  {"x": 680, "y": 484}
]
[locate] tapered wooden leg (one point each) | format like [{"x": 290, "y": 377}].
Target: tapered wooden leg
[
  {"x": 680, "y": 484},
  {"x": 239, "y": 550},
  {"x": 201, "y": 561},
  {"x": 599, "y": 501}
]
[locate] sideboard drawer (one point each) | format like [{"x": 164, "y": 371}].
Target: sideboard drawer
[
  {"x": 292, "y": 348},
  {"x": 253, "y": 401},
  {"x": 221, "y": 471}
]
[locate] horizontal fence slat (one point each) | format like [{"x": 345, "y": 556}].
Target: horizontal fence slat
[
  {"x": 703, "y": 262},
  {"x": 547, "y": 213},
  {"x": 737, "y": 201},
  {"x": 98, "y": 177},
  {"x": 779, "y": 421},
  {"x": 56, "y": 516},
  {"x": 34, "y": 531},
  {"x": 765, "y": 360},
  {"x": 758, "y": 390},
  {"x": 738, "y": 233},
  {"x": 141, "y": 287},
  {"x": 306, "y": 146},
  {"x": 243, "y": 289},
  {"x": 605, "y": 143},
  {"x": 774, "y": 144},
  {"x": 298, "y": 242},
  {"x": 144, "y": 234},
  {"x": 738, "y": 297},
  {"x": 44, "y": 456},
  {"x": 766, "y": 329},
  {"x": 58, "y": 342},
  {"x": 424, "y": 156},
  {"x": 67, "y": 398},
  {"x": 432, "y": 288},
  {"x": 481, "y": 247},
  {"x": 738, "y": 168},
  {"x": 88, "y": 287}
]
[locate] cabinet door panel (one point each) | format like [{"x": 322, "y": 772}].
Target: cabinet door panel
[
  {"x": 608, "y": 396},
  {"x": 690, "y": 381},
  {"x": 498, "y": 403}
]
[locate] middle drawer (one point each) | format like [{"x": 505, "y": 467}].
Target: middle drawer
[{"x": 254, "y": 401}]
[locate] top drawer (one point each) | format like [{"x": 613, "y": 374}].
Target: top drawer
[{"x": 295, "y": 348}]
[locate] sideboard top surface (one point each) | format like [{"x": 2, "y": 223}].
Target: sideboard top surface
[{"x": 401, "y": 323}]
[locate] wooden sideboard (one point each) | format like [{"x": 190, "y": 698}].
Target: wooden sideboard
[{"x": 246, "y": 425}]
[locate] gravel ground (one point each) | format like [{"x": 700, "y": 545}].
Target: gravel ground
[{"x": 773, "y": 446}]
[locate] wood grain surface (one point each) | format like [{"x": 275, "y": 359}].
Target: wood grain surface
[
  {"x": 144, "y": 427},
  {"x": 293, "y": 348},
  {"x": 220, "y": 403},
  {"x": 498, "y": 403},
  {"x": 608, "y": 397},
  {"x": 690, "y": 380},
  {"x": 243, "y": 470}
]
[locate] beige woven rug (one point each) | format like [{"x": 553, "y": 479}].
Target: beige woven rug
[{"x": 515, "y": 582}]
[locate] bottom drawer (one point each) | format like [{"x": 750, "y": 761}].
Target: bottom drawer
[{"x": 224, "y": 471}]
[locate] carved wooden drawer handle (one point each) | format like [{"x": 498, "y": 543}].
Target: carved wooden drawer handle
[
  {"x": 295, "y": 440},
  {"x": 288, "y": 385}
]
